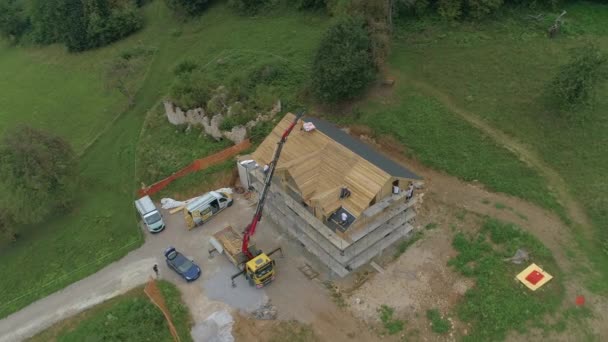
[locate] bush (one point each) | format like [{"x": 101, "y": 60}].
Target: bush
[
  {"x": 458, "y": 9},
  {"x": 438, "y": 324},
  {"x": 75, "y": 26},
  {"x": 188, "y": 7},
  {"x": 248, "y": 7},
  {"x": 185, "y": 67},
  {"x": 343, "y": 66},
  {"x": 478, "y": 9},
  {"x": 120, "y": 23},
  {"x": 576, "y": 81},
  {"x": 392, "y": 325},
  {"x": 13, "y": 19},
  {"x": 191, "y": 90},
  {"x": 37, "y": 174},
  {"x": 410, "y": 7},
  {"x": 48, "y": 19},
  {"x": 83, "y": 25},
  {"x": 257, "y": 85},
  {"x": 233, "y": 121},
  {"x": 311, "y": 4}
]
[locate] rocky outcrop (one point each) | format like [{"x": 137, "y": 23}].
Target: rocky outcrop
[
  {"x": 211, "y": 126},
  {"x": 177, "y": 116},
  {"x": 237, "y": 134}
]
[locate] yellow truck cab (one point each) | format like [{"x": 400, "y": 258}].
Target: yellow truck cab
[{"x": 260, "y": 270}]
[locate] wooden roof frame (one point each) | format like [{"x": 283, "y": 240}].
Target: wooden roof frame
[{"x": 320, "y": 165}]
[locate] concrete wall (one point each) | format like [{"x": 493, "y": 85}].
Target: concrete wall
[{"x": 341, "y": 255}]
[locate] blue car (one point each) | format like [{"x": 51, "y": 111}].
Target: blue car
[{"x": 182, "y": 265}]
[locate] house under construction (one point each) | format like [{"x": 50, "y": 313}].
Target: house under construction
[{"x": 333, "y": 193}]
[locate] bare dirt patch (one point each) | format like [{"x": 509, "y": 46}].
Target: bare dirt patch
[
  {"x": 419, "y": 279},
  {"x": 246, "y": 329},
  {"x": 450, "y": 204}
]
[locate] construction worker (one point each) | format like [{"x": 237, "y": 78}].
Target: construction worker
[
  {"x": 343, "y": 219},
  {"x": 396, "y": 190},
  {"x": 410, "y": 192}
]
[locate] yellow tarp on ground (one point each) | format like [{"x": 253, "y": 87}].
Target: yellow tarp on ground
[{"x": 527, "y": 277}]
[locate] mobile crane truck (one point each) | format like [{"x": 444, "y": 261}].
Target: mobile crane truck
[{"x": 256, "y": 265}]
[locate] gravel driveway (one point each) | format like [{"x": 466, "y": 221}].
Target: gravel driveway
[{"x": 292, "y": 293}]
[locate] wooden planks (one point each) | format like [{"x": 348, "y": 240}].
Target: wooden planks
[
  {"x": 230, "y": 240},
  {"x": 320, "y": 167}
]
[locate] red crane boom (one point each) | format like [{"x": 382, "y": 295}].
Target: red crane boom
[{"x": 269, "y": 173}]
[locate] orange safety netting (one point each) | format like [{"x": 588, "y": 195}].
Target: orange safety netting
[{"x": 198, "y": 164}]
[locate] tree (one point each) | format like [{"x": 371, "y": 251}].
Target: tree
[
  {"x": 188, "y": 7},
  {"x": 75, "y": 26},
  {"x": 83, "y": 24},
  {"x": 47, "y": 19},
  {"x": 13, "y": 19},
  {"x": 343, "y": 65},
  {"x": 37, "y": 175},
  {"x": 311, "y": 4},
  {"x": 576, "y": 81},
  {"x": 248, "y": 7},
  {"x": 104, "y": 28}
]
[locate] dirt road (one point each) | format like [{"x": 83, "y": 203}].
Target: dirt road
[
  {"x": 119, "y": 277},
  {"x": 525, "y": 154},
  {"x": 444, "y": 197}
]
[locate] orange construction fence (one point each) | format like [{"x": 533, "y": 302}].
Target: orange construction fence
[{"x": 198, "y": 164}]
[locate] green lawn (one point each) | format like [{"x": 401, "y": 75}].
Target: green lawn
[
  {"x": 102, "y": 227},
  {"x": 497, "y": 304},
  {"x": 65, "y": 93},
  {"x": 129, "y": 317},
  {"x": 164, "y": 148},
  {"x": 439, "y": 138},
  {"x": 54, "y": 95},
  {"x": 498, "y": 70}
]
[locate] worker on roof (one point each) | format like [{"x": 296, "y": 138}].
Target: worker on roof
[
  {"x": 396, "y": 189},
  {"x": 343, "y": 219},
  {"x": 344, "y": 193},
  {"x": 410, "y": 192}
]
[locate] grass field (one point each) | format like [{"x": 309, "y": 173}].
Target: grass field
[
  {"x": 438, "y": 138},
  {"x": 497, "y": 304},
  {"x": 499, "y": 71},
  {"x": 129, "y": 317},
  {"x": 164, "y": 148},
  {"x": 102, "y": 228},
  {"x": 54, "y": 95}
]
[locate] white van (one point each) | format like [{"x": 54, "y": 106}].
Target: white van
[
  {"x": 204, "y": 207},
  {"x": 149, "y": 214}
]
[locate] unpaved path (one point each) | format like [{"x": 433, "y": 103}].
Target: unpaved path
[
  {"x": 531, "y": 158},
  {"x": 445, "y": 190},
  {"x": 118, "y": 278}
]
